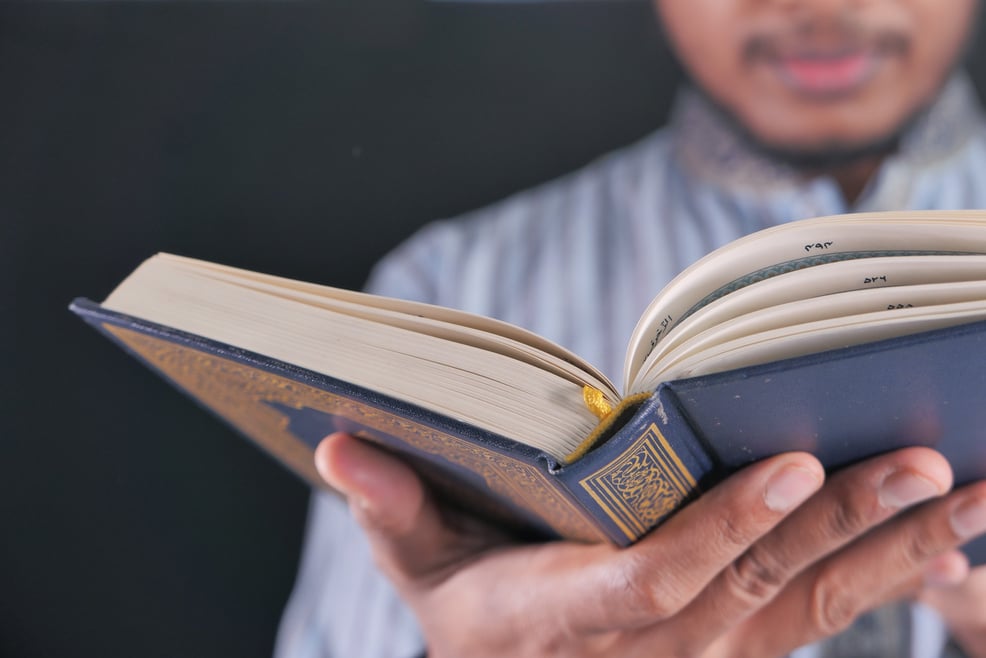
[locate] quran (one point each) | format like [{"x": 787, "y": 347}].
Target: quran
[{"x": 844, "y": 336}]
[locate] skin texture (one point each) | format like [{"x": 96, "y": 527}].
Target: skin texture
[
  {"x": 771, "y": 559},
  {"x": 778, "y": 555},
  {"x": 817, "y": 80}
]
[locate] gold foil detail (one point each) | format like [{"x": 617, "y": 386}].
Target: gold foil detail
[
  {"x": 237, "y": 391},
  {"x": 643, "y": 486}
]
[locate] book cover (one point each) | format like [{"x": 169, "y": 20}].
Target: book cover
[
  {"x": 842, "y": 405},
  {"x": 925, "y": 389},
  {"x": 287, "y": 410}
]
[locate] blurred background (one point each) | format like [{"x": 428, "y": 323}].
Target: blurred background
[{"x": 295, "y": 138}]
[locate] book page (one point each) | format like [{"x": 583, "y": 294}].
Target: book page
[
  {"x": 814, "y": 337},
  {"x": 449, "y": 324},
  {"x": 796, "y": 246},
  {"x": 808, "y": 285},
  {"x": 491, "y": 389},
  {"x": 839, "y": 308}
]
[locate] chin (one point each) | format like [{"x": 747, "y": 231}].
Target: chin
[
  {"x": 826, "y": 141},
  {"x": 831, "y": 154},
  {"x": 825, "y": 135}
]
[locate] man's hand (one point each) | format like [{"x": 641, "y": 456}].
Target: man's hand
[
  {"x": 960, "y": 600},
  {"x": 765, "y": 562}
]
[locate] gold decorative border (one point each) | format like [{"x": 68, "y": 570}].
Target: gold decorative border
[
  {"x": 644, "y": 485},
  {"x": 237, "y": 391}
]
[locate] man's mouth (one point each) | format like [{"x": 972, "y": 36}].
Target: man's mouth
[
  {"x": 826, "y": 75},
  {"x": 824, "y": 61}
]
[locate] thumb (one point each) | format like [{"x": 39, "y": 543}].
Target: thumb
[
  {"x": 383, "y": 492},
  {"x": 405, "y": 529}
]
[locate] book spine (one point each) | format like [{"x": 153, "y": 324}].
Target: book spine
[{"x": 650, "y": 467}]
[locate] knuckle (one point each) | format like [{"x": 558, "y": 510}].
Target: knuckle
[
  {"x": 849, "y": 517},
  {"x": 654, "y": 598},
  {"x": 729, "y": 533},
  {"x": 756, "y": 576},
  {"x": 920, "y": 546},
  {"x": 833, "y": 605}
]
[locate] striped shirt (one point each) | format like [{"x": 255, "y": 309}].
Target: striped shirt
[{"x": 577, "y": 260}]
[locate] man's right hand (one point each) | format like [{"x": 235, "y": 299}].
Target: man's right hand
[{"x": 769, "y": 560}]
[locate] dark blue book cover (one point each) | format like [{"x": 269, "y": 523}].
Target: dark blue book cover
[{"x": 844, "y": 405}]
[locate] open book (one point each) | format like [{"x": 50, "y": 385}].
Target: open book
[{"x": 845, "y": 336}]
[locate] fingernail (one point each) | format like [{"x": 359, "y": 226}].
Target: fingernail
[
  {"x": 969, "y": 519},
  {"x": 945, "y": 571},
  {"x": 904, "y": 488},
  {"x": 791, "y": 486},
  {"x": 942, "y": 579}
]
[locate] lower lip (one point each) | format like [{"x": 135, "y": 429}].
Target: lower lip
[{"x": 826, "y": 76}]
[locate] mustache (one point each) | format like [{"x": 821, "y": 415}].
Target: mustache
[{"x": 822, "y": 37}]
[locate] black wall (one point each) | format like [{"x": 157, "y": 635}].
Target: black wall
[{"x": 298, "y": 139}]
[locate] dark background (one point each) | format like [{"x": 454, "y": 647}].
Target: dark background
[{"x": 294, "y": 138}]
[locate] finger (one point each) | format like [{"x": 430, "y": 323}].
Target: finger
[
  {"x": 377, "y": 486},
  {"x": 855, "y": 500},
  {"x": 881, "y": 566},
  {"x": 851, "y": 503},
  {"x": 943, "y": 571},
  {"x": 406, "y": 531},
  {"x": 963, "y": 607},
  {"x": 660, "y": 575}
]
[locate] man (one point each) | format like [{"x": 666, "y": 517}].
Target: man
[{"x": 799, "y": 108}]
